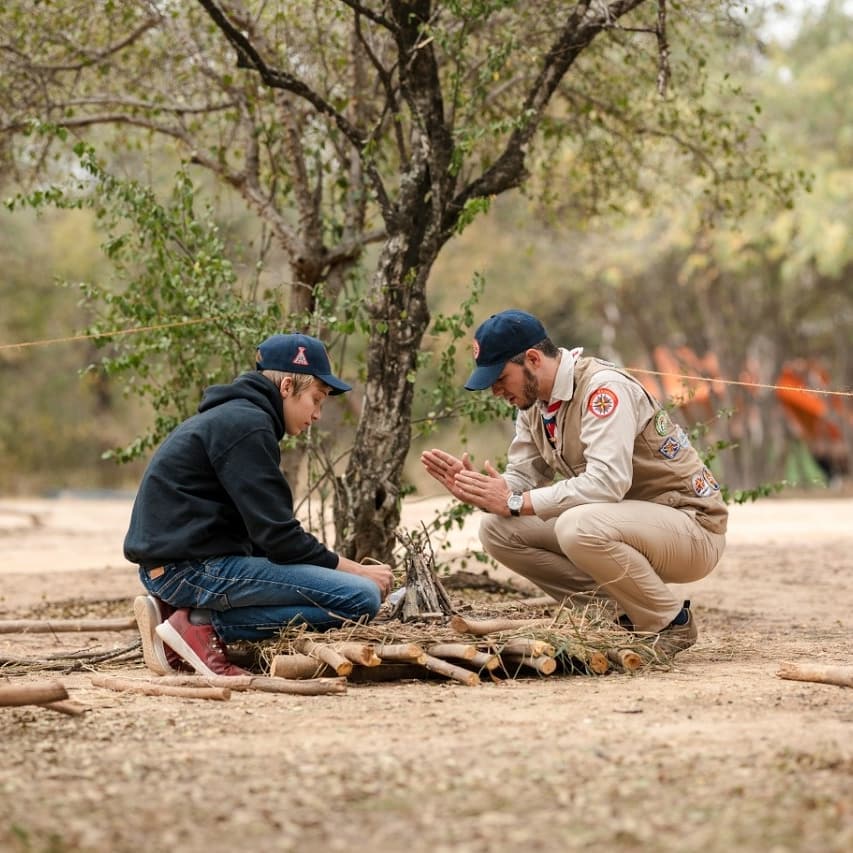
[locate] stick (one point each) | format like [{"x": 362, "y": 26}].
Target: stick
[
  {"x": 482, "y": 627},
  {"x": 526, "y": 646},
  {"x": 149, "y": 688},
  {"x": 361, "y": 653},
  {"x": 297, "y": 666},
  {"x": 37, "y": 693},
  {"x": 456, "y": 672},
  {"x": 56, "y": 626},
  {"x": 67, "y": 706},
  {"x": 841, "y": 676},
  {"x": 485, "y": 660},
  {"x": 543, "y": 664},
  {"x": 628, "y": 659},
  {"x": 327, "y": 654},
  {"x": 405, "y": 652},
  {"x": 305, "y": 687},
  {"x": 461, "y": 651}
]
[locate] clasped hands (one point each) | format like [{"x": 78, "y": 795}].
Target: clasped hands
[{"x": 487, "y": 491}]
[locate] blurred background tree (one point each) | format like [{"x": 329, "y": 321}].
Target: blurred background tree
[{"x": 649, "y": 221}]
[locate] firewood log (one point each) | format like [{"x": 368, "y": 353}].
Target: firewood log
[
  {"x": 466, "y": 676},
  {"x": 485, "y": 660},
  {"x": 336, "y": 661},
  {"x": 461, "y": 651},
  {"x": 67, "y": 706},
  {"x": 264, "y": 684},
  {"x": 298, "y": 666},
  {"x": 56, "y": 626},
  {"x": 481, "y": 627},
  {"x": 360, "y": 653},
  {"x": 841, "y": 676},
  {"x": 150, "y": 688},
  {"x": 527, "y": 646},
  {"x": 34, "y": 693},
  {"x": 543, "y": 664},
  {"x": 628, "y": 659},
  {"x": 402, "y": 652}
]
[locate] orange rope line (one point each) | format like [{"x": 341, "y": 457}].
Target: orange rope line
[
  {"x": 107, "y": 334},
  {"x": 197, "y": 321}
]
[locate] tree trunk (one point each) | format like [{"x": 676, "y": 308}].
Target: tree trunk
[{"x": 368, "y": 498}]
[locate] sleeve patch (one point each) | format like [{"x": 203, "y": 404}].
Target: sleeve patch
[{"x": 602, "y": 403}]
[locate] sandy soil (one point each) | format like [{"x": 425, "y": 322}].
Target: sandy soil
[{"x": 717, "y": 754}]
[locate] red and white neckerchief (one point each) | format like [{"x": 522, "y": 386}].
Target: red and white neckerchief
[{"x": 549, "y": 419}]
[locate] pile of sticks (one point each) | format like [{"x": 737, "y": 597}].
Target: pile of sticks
[{"x": 468, "y": 650}]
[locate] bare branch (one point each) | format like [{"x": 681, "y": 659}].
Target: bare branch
[{"x": 663, "y": 50}]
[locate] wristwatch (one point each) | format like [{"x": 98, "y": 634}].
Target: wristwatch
[{"x": 515, "y": 502}]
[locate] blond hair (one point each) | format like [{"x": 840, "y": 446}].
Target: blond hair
[{"x": 301, "y": 381}]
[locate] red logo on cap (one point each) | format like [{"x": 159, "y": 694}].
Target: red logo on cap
[
  {"x": 300, "y": 358},
  {"x": 475, "y": 347}
]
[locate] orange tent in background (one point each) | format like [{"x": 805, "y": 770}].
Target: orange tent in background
[{"x": 818, "y": 419}]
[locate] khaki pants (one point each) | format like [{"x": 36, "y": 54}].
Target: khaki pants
[{"x": 629, "y": 551}]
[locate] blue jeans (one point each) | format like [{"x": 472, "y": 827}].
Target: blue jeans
[{"x": 252, "y": 598}]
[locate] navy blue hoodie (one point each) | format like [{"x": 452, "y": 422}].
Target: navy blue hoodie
[{"x": 214, "y": 487}]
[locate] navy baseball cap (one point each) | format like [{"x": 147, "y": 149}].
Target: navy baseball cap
[
  {"x": 497, "y": 340},
  {"x": 299, "y": 354}
]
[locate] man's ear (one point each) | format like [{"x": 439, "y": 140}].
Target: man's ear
[
  {"x": 286, "y": 387},
  {"x": 534, "y": 358}
]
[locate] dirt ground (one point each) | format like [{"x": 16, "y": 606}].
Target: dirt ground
[{"x": 717, "y": 754}]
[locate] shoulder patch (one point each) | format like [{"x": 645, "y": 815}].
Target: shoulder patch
[
  {"x": 662, "y": 422},
  {"x": 602, "y": 403}
]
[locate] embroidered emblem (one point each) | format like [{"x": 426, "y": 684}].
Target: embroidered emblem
[
  {"x": 475, "y": 348},
  {"x": 704, "y": 483},
  {"x": 670, "y": 448},
  {"x": 662, "y": 422},
  {"x": 683, "y": 438},
  {"x": 602, "y": 403},
  {"x": 300, "y": 358}
]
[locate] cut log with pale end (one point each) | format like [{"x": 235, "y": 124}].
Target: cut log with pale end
[
  {"x": 363, "y": 654},
  {"x": 151, "y": 688},
  {"x": 481, "y": 627},
  {"x": 298, "y": 666},
  {"x": 459, "y": 651},
  {"x": 840, "y": 676},
  {"x": 58, "y": 626},
  {"x": 527, "y": 646},
  {"x": 401, "y": 652},
  {"x": 458, "y": 673},
  {"x": 262, "y": 683},
  {"x": 628, "y": 659},
  {"x": 543, "y": 664},
  {"x": 485, "y": 660},
  {"x": 337, "y": 662},
  {"x": 597, "y": 662},
  {"x": 32, "y": 693}
]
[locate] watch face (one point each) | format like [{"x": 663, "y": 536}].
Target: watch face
[{"x": 515, "y": 501}]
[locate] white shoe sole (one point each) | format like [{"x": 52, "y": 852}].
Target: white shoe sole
[
  {"x": 177, "y": 644},
  {"x": 148, "y": 618}
]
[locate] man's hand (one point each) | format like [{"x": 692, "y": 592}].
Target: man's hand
[
  {"x": 444, "y": 467},
  {"x": 487, "y": 491},
  {"x": 379, "y": 573}
]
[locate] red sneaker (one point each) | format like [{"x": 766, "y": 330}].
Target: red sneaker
[
  {"x": 150, "y": 612},
  {"x": 198, "y": 645}
]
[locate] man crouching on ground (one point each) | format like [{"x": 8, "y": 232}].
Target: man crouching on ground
[{"x": 602, "y": 493}]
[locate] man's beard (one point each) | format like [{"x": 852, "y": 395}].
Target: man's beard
[{"x": 530, "y": 390}]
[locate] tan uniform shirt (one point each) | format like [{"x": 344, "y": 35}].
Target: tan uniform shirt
[{"x": 613, "y": 442}]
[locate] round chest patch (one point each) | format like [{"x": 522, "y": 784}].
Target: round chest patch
[
  {"x": 662, "y": 422},
  {"x": 475, "y": 348},
  {"x": 602, "y": 403}
]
